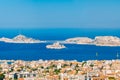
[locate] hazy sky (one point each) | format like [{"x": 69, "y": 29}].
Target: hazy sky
[{"x": 59, "y": 13}]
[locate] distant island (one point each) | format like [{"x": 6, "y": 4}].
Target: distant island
[
  {"x": 79, "y": 40},
  {"x": 20, "y": 39},
  {"x": 56, "y": 45},
  {"x": 98, "y": 40}
]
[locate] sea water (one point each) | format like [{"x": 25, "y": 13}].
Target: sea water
[{"x": 72, "y": 52}]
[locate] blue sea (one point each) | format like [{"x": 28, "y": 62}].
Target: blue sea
[{"x": 13, "y": 51}]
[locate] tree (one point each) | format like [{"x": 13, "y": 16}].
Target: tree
[
  {"x": 2, "y": 76},
  {"x": 83, "y": 63},
  {"x": 15, "y": 76},
  {"x": 111, "y": 78},
  {"x": 91, "y": 65},
  {"x": 57, "y": 71}
]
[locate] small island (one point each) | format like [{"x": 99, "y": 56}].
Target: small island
[
  {"x": 79, "y": 40},
  {"x": 98, "y": 40},
  {"x": 56, "y": 45},
  {"x": 107, "y": 41},
  {"x": 20, "y": 39}
]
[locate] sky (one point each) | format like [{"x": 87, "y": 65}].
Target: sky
[{"x": 59, "y": 13}]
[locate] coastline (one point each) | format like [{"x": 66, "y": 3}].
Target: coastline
[{"x": 12, "y": 60}]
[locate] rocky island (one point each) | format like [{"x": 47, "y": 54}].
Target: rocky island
[
  {"x": 20, "y": 39},
  {"x": 106, "y": 41},
  {"x": 79, "y": 40},
  {"x": 98, "y": 40},
  {"x": 56, "y": 45}
]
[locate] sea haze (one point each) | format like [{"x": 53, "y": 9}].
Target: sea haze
[{"x": 72, "y": 52}]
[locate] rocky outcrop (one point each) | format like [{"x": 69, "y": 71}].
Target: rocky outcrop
[
  {"x": 107, "y": 41},
  {"x": 79, "y": 40},
  {"x": 98, "y": 41},
  {"x": 20, "y": 39}
]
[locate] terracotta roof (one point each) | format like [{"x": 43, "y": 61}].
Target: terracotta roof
[{"x": 21, "y": 79}]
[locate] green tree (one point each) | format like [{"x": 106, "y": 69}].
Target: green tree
[
  {"x": 111, "y": 78},
  {"x": 83, "y": 63},
  {"x": 91, "y": 65},
  {"x": 15, "y": 76},
  {"x": 2, "y": 76},
  {"x": 57, "y": 71}
]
